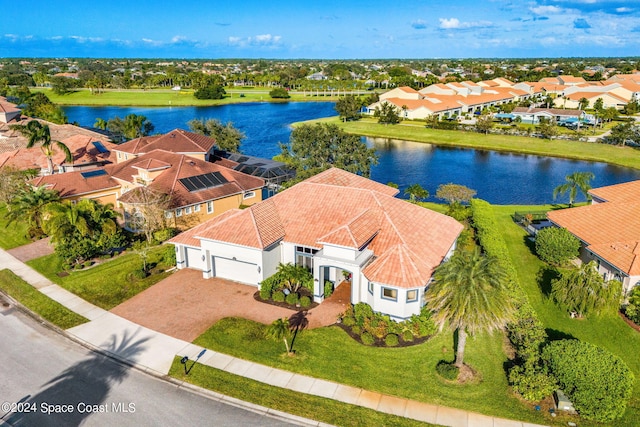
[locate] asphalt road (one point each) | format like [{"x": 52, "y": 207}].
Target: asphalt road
[{"x": 49, "y": 380}]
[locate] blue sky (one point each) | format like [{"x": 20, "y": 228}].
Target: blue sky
[{"x": 321, "y": 30}]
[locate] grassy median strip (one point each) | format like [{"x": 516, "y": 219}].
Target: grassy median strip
[
  {"x": 292, "y": 402},
  {"x": 37, "y": 302},
  {"x": 416, "y": 131}
]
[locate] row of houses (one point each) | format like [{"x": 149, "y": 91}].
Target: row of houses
[{"x": 448, "y": 100}]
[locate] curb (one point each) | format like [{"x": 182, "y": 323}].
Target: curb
[{"x": 203, "y": 392}]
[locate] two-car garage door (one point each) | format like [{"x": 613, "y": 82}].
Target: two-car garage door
[{"x": 235, "y": 270}]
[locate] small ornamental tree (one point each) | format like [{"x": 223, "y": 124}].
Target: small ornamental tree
[
  {"x": 632, "y": 308},
  {"x": 556, "y": 246},
  {"x": 387, "y": 114},
  {"x": 598, "y": 383}
]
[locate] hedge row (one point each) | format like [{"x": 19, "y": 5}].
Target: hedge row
[{"x": 526, "y": 332}]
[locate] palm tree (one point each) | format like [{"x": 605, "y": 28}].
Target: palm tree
[
  {"x": 574, "y": 182},
  {"x": 470, "y": 294},
  {"x": 37, "y": 133},
  {"x": 280, "y": 330},
  {"x": 66, "y": 219},
  {"x": 29, "y": 204},
  {"x": 416, "y": 193}
]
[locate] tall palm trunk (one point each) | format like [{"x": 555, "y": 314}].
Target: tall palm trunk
[
  {"x": 462, "y": 341},
  {"x": 286, "y": 344}
]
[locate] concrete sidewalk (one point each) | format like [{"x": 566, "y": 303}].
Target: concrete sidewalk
[{"x": 154, "y": 352}]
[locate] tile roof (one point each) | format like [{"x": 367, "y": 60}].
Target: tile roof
[
  {"x": 72, "y": 184},
  {"x": 344, "y": 209},
  {"x": 610, "y": 229},
  {"x": 178, "y": 141}
]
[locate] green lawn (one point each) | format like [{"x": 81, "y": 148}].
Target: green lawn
[
  {"x": 611, "y": 333},
  {"x": 416, "y": 131},
  {"x": 164, "y": 97},
  {"x": 304, "y": 405},
  {"x": 107, "y": 284},
  {"x": 409, "y": 372},
  {"x": 37, "y": 302},
  {"x": 14, "y": 234}
]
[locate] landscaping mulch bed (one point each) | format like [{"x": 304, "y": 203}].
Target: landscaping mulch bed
[
  {"x": 380, "y": 342},
  {"x": 629, "y": 321},
  {"x": 283, "y": 304}
]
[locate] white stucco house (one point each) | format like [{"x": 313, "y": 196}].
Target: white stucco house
[
  {"x": 335, "y": 224},
  {"x": 609, "y": 231}
]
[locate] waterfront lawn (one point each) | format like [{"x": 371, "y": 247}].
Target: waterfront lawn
[
  {"x": 409, "y": 372},
  {"x": 304, "y": 405},
  {"x": 611, "y": 333},
  {"x": 622, "y": 156},
  {"x": 165, "y": 97},
  {"x": 14, "y": 234},
  {"x": 37, "y": 302},
  {"x": 106, "y": 284}
]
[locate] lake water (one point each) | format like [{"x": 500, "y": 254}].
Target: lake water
[{"x": 499, "y": 178}]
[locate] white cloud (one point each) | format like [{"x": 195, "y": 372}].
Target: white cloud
[
  {"x": 259, "y": 40},
  {"x": 623, "y": 9},
  {"x": 545, "y": 10},
  {"x": 455, "y": 24}
]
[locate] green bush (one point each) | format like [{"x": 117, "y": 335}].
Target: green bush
[
  {"x": 348, "y": 321},
  {"x": 632, "y": 308},
  {"x": 305, "y": 301},
  {"x": 328, "y": 289},
  {"x": 265, "y": 293},
  {"x": 598, "y": 383},
  {"x": 391, "y": 340},
  {"x": 361, "y": 312},
  {"x": 356, "y": 330},
  {"x": 556, "y": 246},
  {"x": 164, "y": 234},
  {"x": 278, "y": 296},
  {"x": 367, "y": 338},
  {"x": 447, "y": 370},
  {"x": 407, "y": 336},
  {"x": 279, "y": 92},
  {"x": 292, "y": 298},
  {"x": 532, "y": 384}
]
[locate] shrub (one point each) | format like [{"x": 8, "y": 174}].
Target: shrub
[
  {"x": 556, "y": 246},
  {"x": 278, "y": 296},
  {"x": 407, "y": 336},
  {"x": 367, "y": 338},
  {"x": 292, "y": 298},
  {"x": 362, "y": 311},
  {"x": 279, "y": 93},
  {"x": 305, "y": 301},
  {"x": 598, "y": 383},
  {"x": 356, "y": 330},
  {"x": 328, "y": 289},
  {"x": 265, "y": 293},
  {"x": 164, "y": 234},
  {"x": 532, "y": 384},
  {"x": 632, "y": 309},
  {"x": 391, "y": 340},
  {"x": 447, "y": 370},
  {"x": 348, "y": 321}
]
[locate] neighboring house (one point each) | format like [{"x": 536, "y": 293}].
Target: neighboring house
[
  {"x": 533, "y": 115},
  {"x": 344, "y": 228},
  {"x": 609, "y": 230},
  {"x": 195, "y": 190},
  {"x": 8, "y": 111},
  {"x": 88, "y": 149},
  {"x": 177, "y": 141}
]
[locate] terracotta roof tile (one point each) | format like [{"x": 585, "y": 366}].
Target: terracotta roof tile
[
  {"x": 625, "y": 192},
  {"x": 177, "y": 141}
]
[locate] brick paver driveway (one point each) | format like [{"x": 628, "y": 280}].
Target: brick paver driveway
[{"x": 184, "y": 305}]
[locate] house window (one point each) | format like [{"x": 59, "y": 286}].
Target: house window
[
  {"x": 249, "y": 194},
  {"x": 179, "y": 212},
  {"x": 371, "y": 288},
  {"x": 187, "y": 210},
  {"x": 304, "y": 257},
  {"x": 209, "y": 207},
  {"x": 196, "y": 208},
  {"x": 390, "y": 294},
  {"x": 412, "y": 295},
  {"x": 168, "y": 214}
]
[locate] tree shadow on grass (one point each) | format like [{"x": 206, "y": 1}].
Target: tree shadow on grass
[
  {"x": 544, "y": 278},
  {"x": 80, "y": 386},
  {"x": 555, "y": 335},
  {"x": 530, "y": 243}
]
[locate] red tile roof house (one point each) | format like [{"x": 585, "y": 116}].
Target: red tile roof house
[
  {"x": 331, "y": 223},
  {"x": 197, "y": 190},
  {"x": 176, "y": 141},
  {"x": 609, "y": 230}
]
